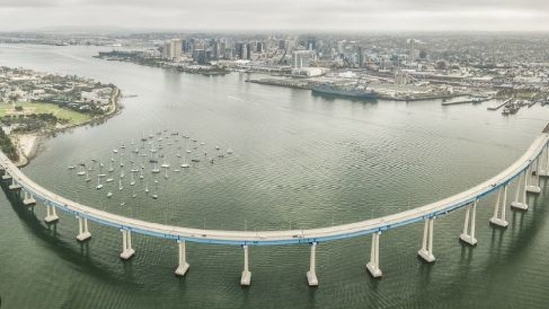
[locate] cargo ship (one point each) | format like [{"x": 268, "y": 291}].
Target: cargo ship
[{"x": 350, "y": 93}]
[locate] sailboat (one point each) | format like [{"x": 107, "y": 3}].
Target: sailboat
[
  {"x": 81, "y": 171},
  {"x": 99, "y": 184},
  {"x": 165, "y": 164},
  {"x": 132, "y": 182},
  {"x": 184, "y": 164},
  {"x": 87, "y": 176},
  {"x": 141, "y": 174},
  {"x": 133, "y": 193},
  {"x": 166, "y": 174},
  {"x": 120, "y": 186},
  {"x": 109, "y": 194},
  {"x": 111, "y": 167},
  {"x": 155, "y": 169},
  {"x": 147, "y": 187},
  {"x": 121, "y": 173}
]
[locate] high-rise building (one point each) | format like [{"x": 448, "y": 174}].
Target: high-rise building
[
  {"x": 301, "y": 58},
  {"x": 171, "y": 50}
]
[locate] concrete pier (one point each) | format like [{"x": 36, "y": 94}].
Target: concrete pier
[
  {"x": 246, "y": 277},
  {"x": 533, "y": 178},
  {"x": 51, "y": 215},
  {"x": 28, "y": 199},
  {"x": 183, "y": 265},
  {"x": 311, "y": 274},
  {"x": 468, "y": 235},
  {"x": 83, "y": 232},
  {"x": 520, "y": 194},
  {"x": 373, "y": 265},
  {"x": 127, "y": 250},
  {"x": 499, "y": 209},
  {"x": 14, "y": 185},
  {"x": 426, "y": 251}
]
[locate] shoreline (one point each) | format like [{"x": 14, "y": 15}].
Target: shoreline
[{"x": 28, "y": 144}]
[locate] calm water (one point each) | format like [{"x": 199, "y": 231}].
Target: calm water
[{"x": 299, "y": 160}]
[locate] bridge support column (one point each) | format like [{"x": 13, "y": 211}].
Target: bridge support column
[
  {"x": 246, "y": 277},
  {"x": 83, "y": 232},
  {"x": 499, "y": 209},
  {"x": 426, "y": 252},
  {"x": 520, "y": 194},
  {"x": 28, "y": 199},
  {"x": 51, "y": 215},
  {"x": 14, "y": 185},
  {"x": 6, "y": 175},
  {"x": 373, "y": 265},
  {"x": 533, "y": 178},
  {"x": 468, "y": 235},
  {"x": 183, "y": 265},
  {"x": 127, "y": 250},
  {"x": 544, "y": 157},
  {"x": 311, "y": 274}
]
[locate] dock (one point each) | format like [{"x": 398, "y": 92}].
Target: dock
[
  {"x": 477, "y": 100},
  {"x": 495, "y": 108}
]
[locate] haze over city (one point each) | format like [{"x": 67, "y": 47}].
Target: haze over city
[{"x": 322, "y": 15}]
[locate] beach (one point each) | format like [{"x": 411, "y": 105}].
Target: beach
[{"x": 27, "y": 145}]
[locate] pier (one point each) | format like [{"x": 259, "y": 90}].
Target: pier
[
  {"x": 495, "y": 108},
  {"x": 523, "y": 175}
]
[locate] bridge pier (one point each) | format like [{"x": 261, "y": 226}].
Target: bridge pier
[
  {"x": 468, "y": 235},
  {"x": 127, "y": 250},
  {"x": 28, "y": 199},
  {"x": 6, "y": 175},
  {"x": 51, "y": 215},
  {"x": 246, "y": 277},
  {"x": 499, "y": 209},
  {"x": 83, "y": 232},
  {"x": 426, "y": 252},
  {"x": 544, "y": 169},
  {"x": 520, "y": 194},
  {"x": 373, "y": 265},
  {"x": 14, "y": 185},
  {"x": 183, "y": 265},
  {"x": 311, "y": 274},
  {"x": 532, "y": 179}
]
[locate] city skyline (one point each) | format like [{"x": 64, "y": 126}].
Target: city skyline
[{"x": 348, "y": 15}]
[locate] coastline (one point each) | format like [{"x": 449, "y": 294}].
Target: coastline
[{"x": 28, "y": 144}]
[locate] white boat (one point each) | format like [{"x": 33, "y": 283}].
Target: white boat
[
  {"x": 141, "y": 174},
  {"x": 147, "y": 188},
  {"x": 121, "y": 173},
  {"x": 132, "y": 182},
  {"x": 81, "y": 171},
  {"x": 229, "y": 151},
  {"x": 154, "y": 196},
  {"x": 216, "y": 147},
  {"x": 71, "y": 167},
  {"x": 115, "y": 150},
  {"x": 109, "y": 194},
  {"x": 109, "y": 180},
  {"x": 99, "y": 184},
  {"x": 101, "y": 175},
  {"x": 123, "y": 203},
  {"x": 120, "y": 186}
]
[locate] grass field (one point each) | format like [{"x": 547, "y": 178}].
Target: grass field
[{"x": 71, "y": 116}]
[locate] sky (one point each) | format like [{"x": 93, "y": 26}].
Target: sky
[{"x": 256, "y": 15}]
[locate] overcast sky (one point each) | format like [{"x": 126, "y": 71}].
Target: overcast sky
[{"x": 352, "y": 15}]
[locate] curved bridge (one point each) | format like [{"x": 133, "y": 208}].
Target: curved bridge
[{"x": 527, "y": 169}]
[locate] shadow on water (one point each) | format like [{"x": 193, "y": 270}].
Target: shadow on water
[{"x": 47, "y": 233}]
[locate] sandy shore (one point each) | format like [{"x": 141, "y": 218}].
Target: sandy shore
[{"x": 28, "y": 146}]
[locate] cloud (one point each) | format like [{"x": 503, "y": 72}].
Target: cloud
[{"x": 354, "y": 15}]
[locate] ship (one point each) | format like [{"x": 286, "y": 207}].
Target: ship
[{"x": 350, "y": 93}]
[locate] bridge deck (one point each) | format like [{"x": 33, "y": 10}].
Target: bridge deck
[{"x": 438, "y": 208}]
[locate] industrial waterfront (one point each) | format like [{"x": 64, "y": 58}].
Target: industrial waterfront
[{"x": 301, "y": 162}]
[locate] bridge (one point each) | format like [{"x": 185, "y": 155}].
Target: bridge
[{"x": 525, "y": 173}]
